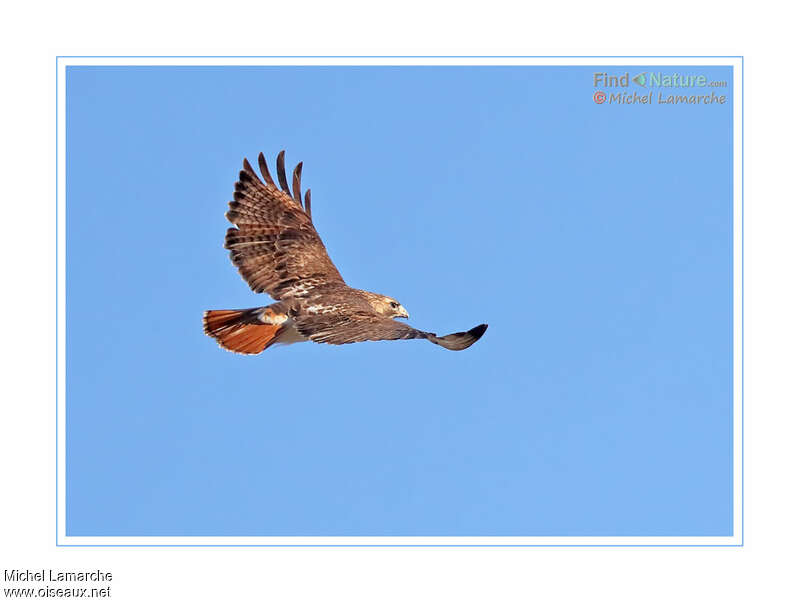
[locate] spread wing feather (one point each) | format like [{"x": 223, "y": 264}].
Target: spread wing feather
[
  {"x": 351, "y": 327},
  {"x": 296, "y": 183},
  {"x": 275, "y": 245}
]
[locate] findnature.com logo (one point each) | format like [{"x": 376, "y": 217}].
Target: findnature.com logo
[{"x": 657, "y": 81}]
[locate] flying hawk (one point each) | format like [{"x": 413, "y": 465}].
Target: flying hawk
[{"x": 278, "y": 251}]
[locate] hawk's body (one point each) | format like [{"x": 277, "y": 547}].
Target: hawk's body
[{"x": 278, "y": 251}]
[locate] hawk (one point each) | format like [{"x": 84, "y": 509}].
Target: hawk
[{"x": 277, "y": 250}]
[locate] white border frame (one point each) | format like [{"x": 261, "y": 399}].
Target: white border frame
[{"x": 736, "y": 96}]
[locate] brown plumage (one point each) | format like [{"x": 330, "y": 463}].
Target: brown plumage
[{"x": 277, "y": 250}]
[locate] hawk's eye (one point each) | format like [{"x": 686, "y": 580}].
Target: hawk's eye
[{"x": 394, "y": 304}]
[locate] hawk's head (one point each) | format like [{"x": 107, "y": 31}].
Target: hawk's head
[{"x": 386, "y": 306}]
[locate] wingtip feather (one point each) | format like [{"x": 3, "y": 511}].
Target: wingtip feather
[
  {"x": 296, "y": 176},
  {"x": 462, "y": 340},
  {"x": 478, "y": 331},
  {"x": 264, "y": 169},
  {"x": 281, "y": 161},
  {"x": 247, "y": 167}
]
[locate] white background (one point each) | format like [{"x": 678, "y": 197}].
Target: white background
[{"x": 32, "y": 36}]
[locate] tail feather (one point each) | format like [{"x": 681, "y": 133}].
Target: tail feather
[{"x": 240, "y": 331}]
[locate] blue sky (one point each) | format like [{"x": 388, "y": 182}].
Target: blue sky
[{"x": 594, "y": 239}]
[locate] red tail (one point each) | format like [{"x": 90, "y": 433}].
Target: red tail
[{"x": 240, "y": 330}]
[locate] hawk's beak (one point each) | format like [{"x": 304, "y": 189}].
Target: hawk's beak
[{"x": 403, "y": 312}]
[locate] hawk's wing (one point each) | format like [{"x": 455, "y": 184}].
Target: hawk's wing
[
  {"x": 352, "y": 327},
  {"x": 275, "y": 245}
]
